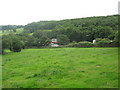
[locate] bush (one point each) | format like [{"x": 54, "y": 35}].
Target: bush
[
  {"x": 114, "y": 44},
  {"x": 43, "y": 41},
  {"x": 102, "y": 44},
  {"x": 63, "y": 39},
  {"x": 81, "y": 44},
  {"x": 17, "y": 45},
  {"x": 105, "y": 43},
  {"x": 72, "y": 45},
  {"x": 85, "y": 44},
  {"x": 102, "y": 39}
]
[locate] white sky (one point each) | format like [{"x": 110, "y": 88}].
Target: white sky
[{"x": 21, "y": 12}]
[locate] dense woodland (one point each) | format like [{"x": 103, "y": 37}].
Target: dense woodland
[{"x": 79, "y": 32}]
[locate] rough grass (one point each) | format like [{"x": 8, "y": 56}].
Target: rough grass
[
  {"x": 0, "y": 71},
  {"x": 61, "y": 68}
]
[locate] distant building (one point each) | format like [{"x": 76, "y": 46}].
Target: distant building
[
  {"x": 94, "y": 41},
  {"x": 54, "y": 43},
  {"x": 54, "y": 40}
]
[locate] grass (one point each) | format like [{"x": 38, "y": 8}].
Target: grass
[
  {"x": 0, "y": 71},
  {"x": 18, "y": 31},
  {"x": 42, "y": 30},
  {"x": 6, "y": 32},
  {"x": 61, "y": 68}
]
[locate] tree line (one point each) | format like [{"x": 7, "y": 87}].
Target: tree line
[
  {"x": 72, "y": 33},
  {"x": 111, "y": 21}
]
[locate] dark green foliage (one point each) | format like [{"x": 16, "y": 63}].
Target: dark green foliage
[
  {"x": 43, "y": 25},
  {"x": 84, "y": 33},
  {"x": 39, "y": 34},
  {"x": 12, "y": 42},
  {"x": 106, "y": 42},
  {"x": 103, "y": 44},
  {"x": 80, "y": 29},
  {"x": 104, "y": 39},
  {"x": 29, "y": 40},
  {"x": 63, "y": 39},
  {"x": 43, "y": 41},
  {"x": 102, "y": 32},
  {"x": 16, "y": 44},
  {"x": 5, "y": 42},
  {"x": 41, "y": 38},
  {"x": 117, "y": 36},
  {"x": 14, "y": 30},
  {"x": 111, "y": 21},
  {"x": 67, "y": 31}
]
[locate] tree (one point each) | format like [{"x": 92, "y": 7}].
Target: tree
[
  {"x": 12, "y": 42},
  {"x": 43, "y": 41},
  {"x": 14, "y": 30},
  {"x": 117, "y": 36},
  {"x": 102, "y": 32},
  {"x": 6, "y": 41},
  {"x": 63, "y": 39},
  {"x": 74, "y": 35},
  {"x": 16, "y": 44},
  {"x": 38, "y": 34},
  {"x": 29, "y": 40}
]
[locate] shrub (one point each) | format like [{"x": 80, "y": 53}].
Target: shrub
[
  {"x": 16, "y": 45},
  {"x": 102, "y": 39},
  {"x": 81, "y": 44},
  {"x": 63, "y": 39},
  {"x": 105, "y": 43},
  {"x": 114, "y": 44},
  {"x": 43, "y": 41},
  {"x": 72, "y": 45},
  {"x": 85, "y": 44}
]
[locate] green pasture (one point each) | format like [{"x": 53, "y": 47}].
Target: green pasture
[
  {"x": 0, "y": 71},
  {"x": 61, "y": 68}
]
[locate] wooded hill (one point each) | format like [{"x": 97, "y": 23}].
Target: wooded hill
[
  {"x": 70, "y": 32},
  {"x": 79, "y": 29},
  {"x": 110, "y": 21}
]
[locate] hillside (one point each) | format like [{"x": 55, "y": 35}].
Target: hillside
[
  {"x": 111, "y": 21},
  {"x": 39, "y": 34}
]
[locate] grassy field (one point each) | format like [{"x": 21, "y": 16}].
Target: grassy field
[
  {"x": 19, "y": 30},
  {"x": 0, "y": 71},
  {"x": 61, "y": 68}
]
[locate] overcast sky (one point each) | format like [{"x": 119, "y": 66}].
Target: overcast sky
[{"x": 21, "y": 12}]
